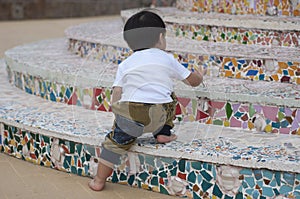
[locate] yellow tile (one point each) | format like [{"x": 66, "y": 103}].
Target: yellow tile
[
  {"x": 234, "y": 62},
  {"x": 283, "y": 65},
  {"x": 250, "y": 125},
  {"x": 275, "y": 77},
  {"x": 294, "y": 67},
  {"x": 226, "y": 123},
  {"x": 145, "y": 186},
  {"x": 291, "y": 72},
  {"x": 209, "y": 121},
  {"x": 228, "y": 73},
  {"x": 268, "y": 128}
]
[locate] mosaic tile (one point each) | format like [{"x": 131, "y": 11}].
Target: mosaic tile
[
  {"x": 234, "y": 35},
  {"x": 278, "y": 8}
]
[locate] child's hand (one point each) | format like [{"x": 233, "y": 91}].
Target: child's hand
[{"x": 202, "y": 70}]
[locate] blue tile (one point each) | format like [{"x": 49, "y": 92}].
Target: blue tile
[
  {"x": 206, "y": 175},
  {"x": 251, "y": 72},
  {"x": 245, "y": 185},
  {"x": 199, "y": 179},
  {"x": 298, "y": 176},
  {"x": 188, "y": 166},
  {"x": 278, "y": 178},
  {"x": 267, "y": 191},
  {"x": 192, "y": 177},
  {"x": 257, "y": 174},
  {"x": 196, "y": 165},
  {"x": 289, "y": 178},
  {"x": 239, "y": 195},
  {"x": 249, "y": 191},
  {"x": 217, "y": 192},
  {"x": 196, "y": 196},
  {"x": 163, "y": 190},
  {"x": 256, "y": 194},
  {"x": 285, "y": 189},
  {"x": 206, "y": 185},
  {"x": 267, "y": 174},
  {"x": 246, "y": 172},
  {"x": 261, "y": 76},
  {"x": 181, "y": 165}
]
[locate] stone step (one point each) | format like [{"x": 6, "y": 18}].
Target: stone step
[
  {"x": 247, "y": 7},
  {"x": 205, "y": 159},
  {"x": 103, "y": 41},
  {"x": 224, "y": 28},
  {"x": 48, "y": 70}
]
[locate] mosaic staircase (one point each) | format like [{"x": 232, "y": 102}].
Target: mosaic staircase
[{"x": 238, "y": 133}]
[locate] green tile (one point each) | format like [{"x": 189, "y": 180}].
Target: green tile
[
  {"x": 163, "y": 190},
  {"x": 114, "y": 177},
  {"x": 123, "y": 177},
  {"x": 206, "y": 185},
  {"x": 196, "y": 165},
  {"x": 206, "y": 175},
  {"x": 229, "y": 110},
  {"x": 181, "y": 165},
  {"x": 72, "y": 147},
  {"x": 143, "y": 176},
  {"x": 154, "y": 181},
  {"x": 163, "y": 174},
  {"x": 217, "y": 192},
  {"x": 131, "y": 180},
  {"x": 192, "y": 177}
]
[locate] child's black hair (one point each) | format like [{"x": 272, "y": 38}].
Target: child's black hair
[{"x": 142, "y": 30}]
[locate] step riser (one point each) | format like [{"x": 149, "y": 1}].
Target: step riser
[
  {"x": 235, "y": 35},
  {"x": 277, "y": 119},
  {"x": 252, "y": 7},
  {"x": 191, "y": 179},
  {"x": 225, "y": 65}
]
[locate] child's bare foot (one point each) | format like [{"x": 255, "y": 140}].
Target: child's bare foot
[
  {"x": 96, "y": 185},
  {"x": 165, "y": 138}
]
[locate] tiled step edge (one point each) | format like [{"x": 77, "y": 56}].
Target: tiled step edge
[
  {"x": 206, "y": 143},
  {"x": 174, "y": 15},
  {"x": 109, "y": 33},
  {"x": 50, "y": 61}
]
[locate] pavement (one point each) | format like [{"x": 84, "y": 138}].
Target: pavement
[{"x": 21, "y": 179}]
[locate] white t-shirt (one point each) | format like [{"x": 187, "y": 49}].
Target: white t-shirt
[{"x": 147, "y": 76}]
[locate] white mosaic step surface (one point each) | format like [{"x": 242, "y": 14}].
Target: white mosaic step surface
[
  {"x": 195, "y": 141},
  {"x": 50, "y": 60},
  {"x": 110, "y": 33}
]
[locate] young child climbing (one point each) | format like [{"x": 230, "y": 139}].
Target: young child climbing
[{"x": 143, "y": 100}]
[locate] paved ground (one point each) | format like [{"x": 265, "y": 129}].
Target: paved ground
[{"x": 20, "y": 179}]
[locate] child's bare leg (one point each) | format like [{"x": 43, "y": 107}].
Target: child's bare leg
[
  {"x": 166, "y": 138},
  {"x": 103, "y": 172}
]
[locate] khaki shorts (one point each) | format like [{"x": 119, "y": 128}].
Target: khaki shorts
[{"x": 132, "y": 119}]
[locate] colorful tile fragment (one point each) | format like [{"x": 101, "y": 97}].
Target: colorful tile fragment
[{"x": 243, "y": 7}]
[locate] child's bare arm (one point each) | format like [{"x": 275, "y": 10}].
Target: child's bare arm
[
  {"x": 195, "y": 78},
  {"x": 116, "y": 94}
]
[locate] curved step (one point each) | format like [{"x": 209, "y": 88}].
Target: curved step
[
  {"x": 48, "y": 70},
  {"x": 53, "y": 63},
  {"x": 238, "y": 29},
  {"x": 102, "y": 41},
  {"x": 211, "y": 159},
  {"x": 196, "y": 141}
]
